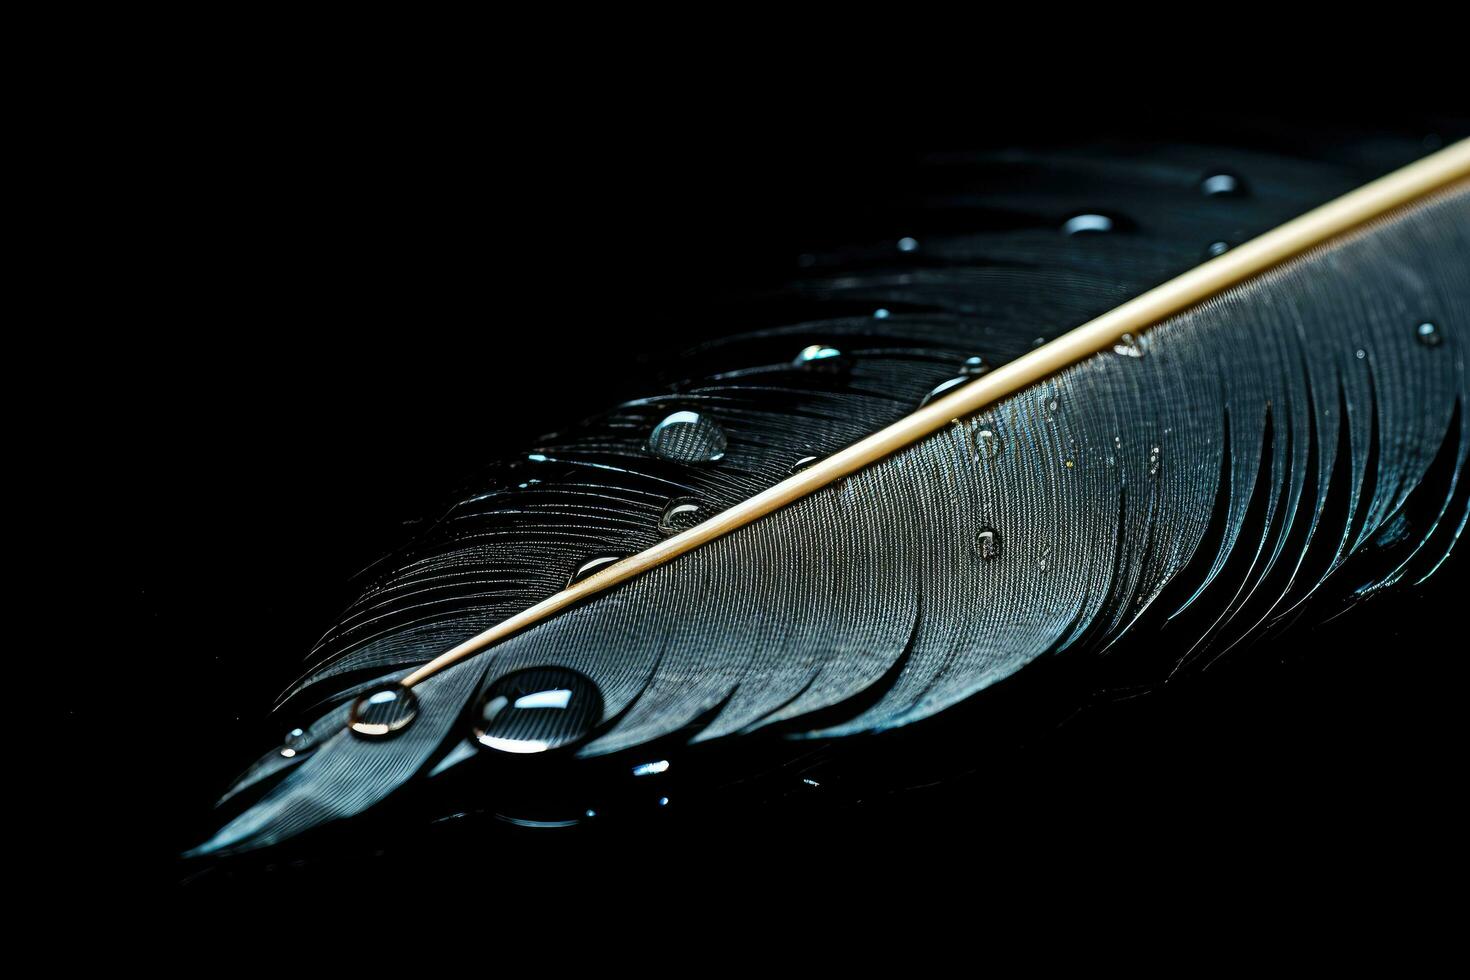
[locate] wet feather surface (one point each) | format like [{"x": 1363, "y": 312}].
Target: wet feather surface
[{"x": 1236, "y": 455}]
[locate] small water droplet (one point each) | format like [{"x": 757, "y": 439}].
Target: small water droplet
[
  {"x": 1038, "y": 342},
  {"x": 1429, "y": 335},
  {"x": 1087, "y": 224},
  {"x": 1052, "y": 404},
  {"x": 987, "y": 543},
  {"x": 1216, "y": 248},
  {"x": 1360, "y": 353},
  {"x": 680, "y": 514},
  {"x": 1155, "y": 459},
  {"x": 819, "y": 357},
  {"x": 663, "y": 801},
  {"x": 987, "y": 443},
  {"x": 651, "y": 768},
  {"x": 591, "y": 566},
  {"x": 383, "y": 712},
  {"x": 908, "y": 244},
  {"x": 803, "y": 463},
  {"x": 537, "y": 710},
  {"x": 942, "y": 389},
  {"x": 881, "y": 314},
  {"x": 974, "y": 367},
  {"x": 1222, "y": 185},
  {"x": 536, "y": 457},
  {"x": 688, "y": 437},
  {"x": 1130, "y": 346},
  {"x": 297, "y": 741}
]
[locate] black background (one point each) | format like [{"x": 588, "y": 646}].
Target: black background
[{"x": 329, "y": 310}]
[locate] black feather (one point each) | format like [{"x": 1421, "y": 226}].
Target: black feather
[{"x": 1216, "y": 472}]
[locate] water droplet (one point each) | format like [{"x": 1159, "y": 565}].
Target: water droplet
[
  {"x": 908, "y": 244},
  {"x": 1130, "y": 346},
  {"x": 803, "y": 463},
  {"x": 536, "y": 457},
  {"x": 819, "y": 357},
  {"x": 688, "y": 437},
  {"x": 942, "y": 389},
  {"x": 591, "y": 566},
  {"x": 680, "y": 514},
  {"x": 1044, "y": 562},
  {"x": 1155, "y": 459},
  {"x": 987, "y": 543},
  {"x": 987, "y": 443},
  {"x": 536, "y": 710},
  {"x": 1038, "y": 342},
  {"x": 651, "y": 768},
  {"x": 1222, "y": 185},
  {"x": 1087, "y": 224},
  {"x": 1216, "y": 248},
  {"x": 295, "y": 743},
  {"x": 881, "y": 314},
  {"x": 383, "y": 712},
  {"x": 663, "y": 801},
  {"x": 1052, "y": 404},
  {"x": 974, "y": 367},
  {"x": 1360, "y": 353},
  {"x": 1429, "y": 335}
]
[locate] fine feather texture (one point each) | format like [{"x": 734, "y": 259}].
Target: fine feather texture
[{"x": 1052, "y": 521}]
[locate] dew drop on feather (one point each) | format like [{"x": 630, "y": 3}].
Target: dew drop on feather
[
  {"x": 1084, "y": 224},
  {"x": 974, "y": 367},
  {"x": 537, "y": 710},
  {"x": 1222, "y": 185},
  {"x": 1129, "y": 346},
  {"x": 820, "y": 357},
  {"x": 383, "y": 712},
  {"x": 591, "y": 566},
  {"x": 679, "y": 514},
  {"x": 296, "y": 742},
  {"x": 688, "y": 437}
]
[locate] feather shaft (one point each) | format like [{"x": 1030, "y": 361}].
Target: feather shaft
[{"x": 1417, "y": 181}]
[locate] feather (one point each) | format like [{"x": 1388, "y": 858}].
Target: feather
[{"x": 1207, "y": 476}]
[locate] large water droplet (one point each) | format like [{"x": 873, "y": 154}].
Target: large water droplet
[
  {"x": 908, "y": 244},
  {"x": 974, "y": 367},
  {"x": 296, "y": 742},
  {"x": 1130, "y": 346},
  {"x": 591, "y": 566},
  {"x": 537, "y": 710},
  {"x": 942, "y": 390},
  {"x": 1429, "y": 335},
  {"x": 1087, "y": 224},
  {"x": 881, "y": 314},
  {"x": 1222, "y": 185},
  {"x": 385, "y": 711},
  {"x": 818, "y": 356},
  {"x": 987, "y": 543},
  {"x": 688, "y": 437},
  {"x": 680, "y": 514},
  {"x": 1215, "y": 249}
]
